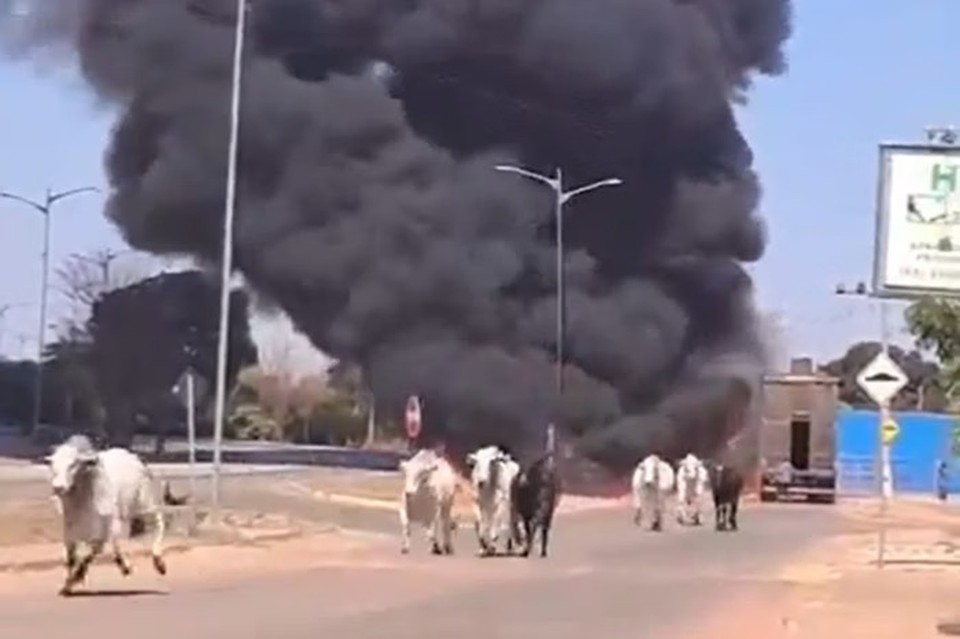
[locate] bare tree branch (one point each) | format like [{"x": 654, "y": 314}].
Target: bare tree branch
[{"x": 84, "y": 279}]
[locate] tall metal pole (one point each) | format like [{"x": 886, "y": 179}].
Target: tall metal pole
[
  {"x": 45, "y": 209},
  {"x": 42, "y": 327},
  {"x": 886, "y": 472},
  {"x": 192, "y": 441},
  {"x": 883, "y": 464},
  {"x": 562, "y": 197},
  {"x": 551, "y": 443},
  {"x": 227, "y": 257}
]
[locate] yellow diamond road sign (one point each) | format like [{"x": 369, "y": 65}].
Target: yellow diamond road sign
[{"x": 889, "y": 431}]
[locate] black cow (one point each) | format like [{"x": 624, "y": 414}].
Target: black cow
[
  {"x": 534, "y": 496},
  {"x": 726, "y": 484}
]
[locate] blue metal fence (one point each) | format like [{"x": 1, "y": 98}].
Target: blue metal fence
[
  {"x": 924, "y": 441},
  {"x": 857, "y": 475}
]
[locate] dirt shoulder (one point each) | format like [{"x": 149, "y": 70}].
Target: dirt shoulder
[{"x": 835, "y": 589}]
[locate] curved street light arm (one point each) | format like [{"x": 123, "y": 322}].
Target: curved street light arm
[
  {"x": 65, "y": 194},
  {"x": 566, "y": 197},
  {"x": 552, "y": 183},
  {"x": 23, "y": 200}
]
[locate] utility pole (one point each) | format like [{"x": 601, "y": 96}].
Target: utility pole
[
  {"x": 102, "y": 260},
  {"x": 561, "y": 198},
  {"x": 226, "y": 259},
  {"x": 45, "y": 209}
]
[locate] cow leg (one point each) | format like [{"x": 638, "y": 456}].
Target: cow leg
[
  {"x": 437, "y": 531},
  {"x": 79, "y": 572},
  {"x": 116, "y": 531},
  {"x": 718, "y": 515},
  {"x": 404, "y": 531},
  {"x": 486, "y": 537},
  {"x": 546, "y": 525},
  {"x": 156, "y": 548},
  {"x": 71, "y": 555},
  {"x": 446, "y": 528},
  {"x": 71, "y": 565},
  {"x": 528, "y": 532},
  {"x": 732, "y": 516}
]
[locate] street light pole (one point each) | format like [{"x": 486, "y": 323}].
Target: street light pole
[
  {"x": 45, "y": 208},
  {"x": 561, "y": 198},
  {"x": 103, "y": 260},
  {"x": 227, "y": 256},
  {"x": 884, "y": 462}
]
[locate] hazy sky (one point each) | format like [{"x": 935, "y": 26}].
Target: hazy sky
[{"x": 861, "y": 72}]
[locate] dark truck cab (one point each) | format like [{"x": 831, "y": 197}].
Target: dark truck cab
[{"x": 797, "y": 439}]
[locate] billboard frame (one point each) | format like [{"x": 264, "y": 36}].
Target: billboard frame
[{"x": 882, "y": 289}]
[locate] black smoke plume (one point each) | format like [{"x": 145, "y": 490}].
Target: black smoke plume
[{"x": 369, "y": 209}]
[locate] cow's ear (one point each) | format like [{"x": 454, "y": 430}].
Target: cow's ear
[
  {"x": 471, "y": 459},
  {"x": 403, "y": 465}
]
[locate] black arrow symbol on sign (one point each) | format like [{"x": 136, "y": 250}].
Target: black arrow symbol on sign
[{"x": 882, "y": 377}]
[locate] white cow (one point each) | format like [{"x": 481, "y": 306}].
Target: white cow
[
  {"x": 492, "y": 475},
  {"x": 102, "y": 496},
  {"x": 693, "y": 481},
  {"x": 650, "y": 485},
  {"x": 429, "y": 487}
]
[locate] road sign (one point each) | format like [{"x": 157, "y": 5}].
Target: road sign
[
  {"x": 413, "y": 422},
  {"x": 881, "y": 379},
  {"x": 182, "y": 387},
  {"x": 889, "y": 431}
]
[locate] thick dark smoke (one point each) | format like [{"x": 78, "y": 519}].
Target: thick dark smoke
[{"x": 370, "y": 211}]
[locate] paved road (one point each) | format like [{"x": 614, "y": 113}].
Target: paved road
[{"x": 605, "y": 579}]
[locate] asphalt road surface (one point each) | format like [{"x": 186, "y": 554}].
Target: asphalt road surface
[{"x": 605, "y": 579}]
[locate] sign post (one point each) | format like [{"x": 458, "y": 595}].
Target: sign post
[
  {"x": 187, "y": 392},
  {"x": 413, "y": 418},
  {"x": 882, "y": 379}
]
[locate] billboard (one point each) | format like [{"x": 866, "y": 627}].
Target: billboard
[{"x": 917, "y": 245}]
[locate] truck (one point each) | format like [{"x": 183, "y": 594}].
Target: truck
[{"x": 797, "y": 438}]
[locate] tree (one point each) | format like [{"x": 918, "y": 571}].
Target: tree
[
  {"x": 307, "y": 399},
  {"x": 922, "y": 389},
  {"x": 71, "y": 398},
  {"x": 935, "y": 325},
  {"x": 147, "y": 334},
  {"x": 85, "y": 279}
]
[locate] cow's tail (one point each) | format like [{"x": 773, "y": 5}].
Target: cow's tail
[{"x": 169, "y": 499}]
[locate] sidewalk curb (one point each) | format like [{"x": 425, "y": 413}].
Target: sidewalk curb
[{"x": 390, "y": 504}]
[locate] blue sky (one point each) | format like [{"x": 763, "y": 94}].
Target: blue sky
[{"x": 861, "y": 72}]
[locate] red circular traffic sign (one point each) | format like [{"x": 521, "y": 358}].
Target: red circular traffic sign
[{"x": 413, "y": 422}]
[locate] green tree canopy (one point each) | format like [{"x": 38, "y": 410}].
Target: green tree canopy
[
  {"x": 935, "y": 325},
  {"x": 923, "y": 378}
]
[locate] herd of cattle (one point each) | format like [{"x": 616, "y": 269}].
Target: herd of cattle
[
  {"x": 512, "y": 504},
  {"x": 105, "y": 495}
]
